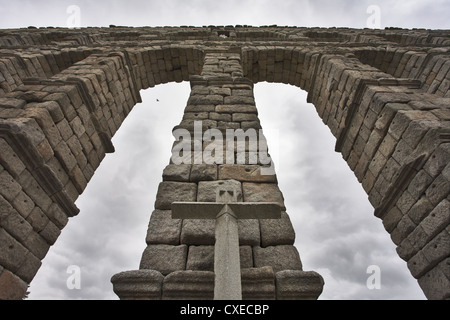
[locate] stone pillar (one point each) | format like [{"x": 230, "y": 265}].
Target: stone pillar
[{"x": 182, "y": 251}]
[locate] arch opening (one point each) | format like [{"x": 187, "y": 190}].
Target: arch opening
[
  {"x": 336, "y": 232},
  {"x": 108, "y": 235},
  {"x": 319, "y": 228}
]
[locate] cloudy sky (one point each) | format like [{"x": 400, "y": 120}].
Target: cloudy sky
[{"x": 337, "y": 234}]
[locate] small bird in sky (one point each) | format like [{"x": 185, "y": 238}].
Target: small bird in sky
[{"x": 157, "y": 100}]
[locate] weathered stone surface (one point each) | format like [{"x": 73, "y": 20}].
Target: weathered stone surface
[
  {"x": 298, "y": 285},
  {"x": 262, "y": 192},
  {"x": 50, "y": 233},
  {"x": 37, "y": 245},
  {"x": 438, "y": 190},
  {"x": 37, "y": 219},
  {"x": 200, "y": 108},
  {"x": 239, "y": 108},
  {"x": 202, "y": 232},
  {"x": 57, "y": 216},
  {"x": 246, "y": 256},
  {"x": 13, "y": 288},
  {"x": 438, "y": 160},
  {"x": 239, "y": 100},
  {"x": 12, "y": 253},
  {"x": 169, "y": 192},
  {"x": 200, "y": 258},
  {"x": 28, "y": 270},
  {"x": 246, "y": 125},
  {"x": 207, "y": 189},
  {"x": 9, "y": 188},
  {"x": 436, "y": 281},
  {"x": 437, "y": 220},
  {"x": 277, "y": 231},
  {"x": 221, "y": 91},
  {"x": 190, "y": 124},
  {"x": 177, "y": 172},
  {"x": 162, "y": 229},
  {"x": 438, "y": 248},
  {"x": 164, "y": 258},
  {"x": 23, "y": 204},
  {"x": 205, "y": 99},
  {"x": 196, "y": 116},
  {"x": 220, "y": 117},
  {"x": 245, "y": 173},
  {"x": 258, "y": 283},
  {"x": 284, "y": 257},
  {"x": 15, "y": 225},
  {"x": 10, "y": 160},
  {"x": 249, "y": 232},
  {"x": 138, "y": 285},
  {"x": 189, "y": 285},
  {"x": 391, "y": 219},
  {"x": 238, "y": 117},
  {"x": 203, "y": 172},
  {"x": 198, "y": 232}
]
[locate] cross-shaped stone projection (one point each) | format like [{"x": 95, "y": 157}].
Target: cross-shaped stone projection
[
  {"x": 221, "y": 190},
  {"x": 226, "y": 212}
]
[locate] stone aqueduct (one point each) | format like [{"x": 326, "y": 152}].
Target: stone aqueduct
[{"x": 384, "y": 94}]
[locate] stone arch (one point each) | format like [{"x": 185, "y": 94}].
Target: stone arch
[
  {"x": 55, "y": 131},
  {"x": 21, "y": 65},
  {"x": 385, "y": 118},
  {"x": 392, "y": 61},
  {"x": 153, "y": 66},
  {"x": 422, "y": 65}
]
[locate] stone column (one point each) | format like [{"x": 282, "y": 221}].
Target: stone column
[{"x": 180, "y": 253}]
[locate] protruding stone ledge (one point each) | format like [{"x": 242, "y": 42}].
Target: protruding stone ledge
[
  {"x": 84, "y": 95},
  {"x": 20, "y": 139},
  {"x": 138, "y": 285},
  {"x": 258, "y": 283},
  {"x": 359, "y": 94},
  {"x": 298, "y": 285},
  {"x": 406, "y": 174},
  {"x": 190, "y": 285}
]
